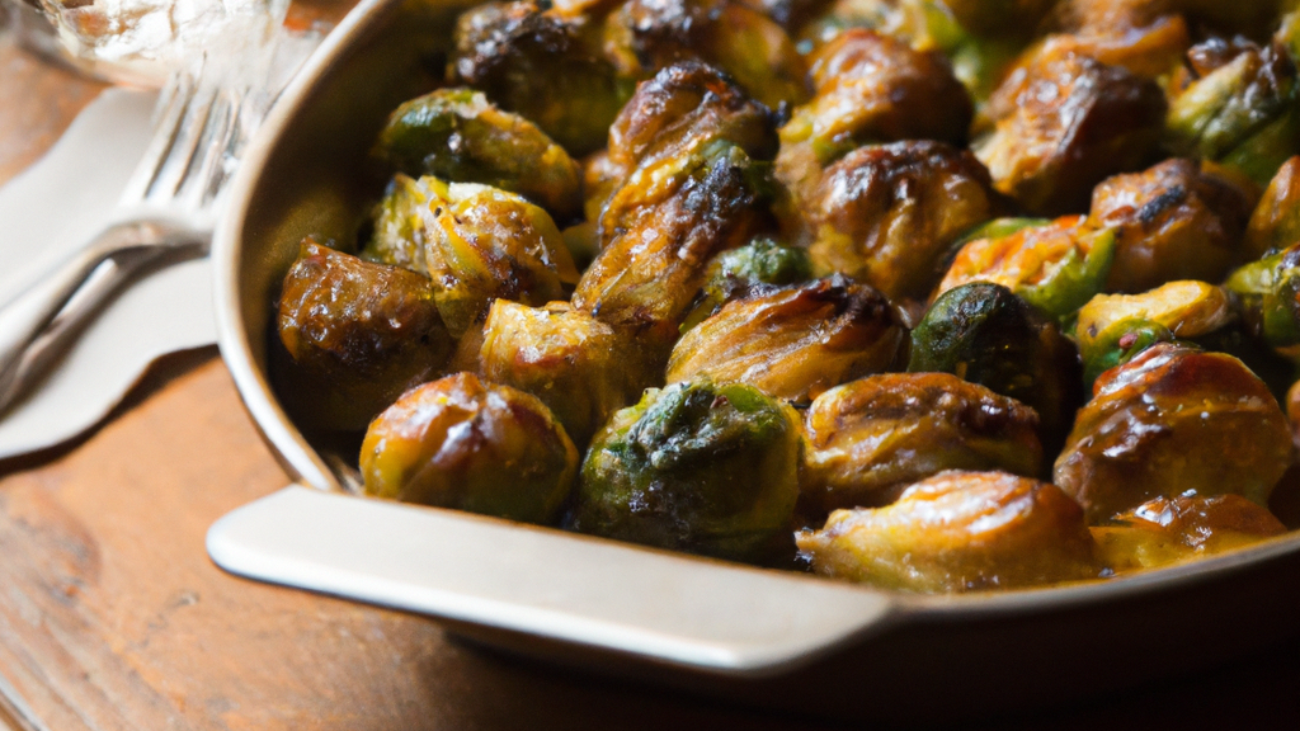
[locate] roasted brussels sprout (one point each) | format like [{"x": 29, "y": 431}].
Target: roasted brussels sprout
[
  {"x": 738, "y": 273},
  {"x": 999, "y": 17},
  {"x": 1275, "y": 224},
  {"x": 743, "y": 42},
  {"x": 581, "y": 368},
  {"x": 1167, "y": 531},
  {"x": 1067, "y": 123},
  {"x": 1269, "y": 292},
  {"x": 985, "y": 334},
  {"x": 1056, "y": 267},
  {"x": 887, "y": 214},
  {"x": 1238, "y": 108},
  {"x": 476, "y": 243},
  {"x": 457, "y": 135},
  {"x": 1145, "y": 37},
  {"x": 1174, "y": 421},
  {"x": 959, "y": 531},
  {"x": 359, "y": 334},
  {"x": 692, "y": 145},
  {"x": 543, "y": 66},
  {"x": 1112, "y": 329},
  {"x": 794, "y": 343},
  {"x": 1171, "y": 222},
  {"x": 459, "y": 443},
  {"x": 697, "y": 467},
  {"x": 869, "y": 439}
]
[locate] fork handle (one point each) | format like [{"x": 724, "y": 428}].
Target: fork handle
[{"x": 23, "y": 321}]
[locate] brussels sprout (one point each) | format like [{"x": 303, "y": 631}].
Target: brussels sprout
[
  {"x": 959, "y": 531},
  {"x": 1275, "y": 224},
  {"x": 581, "y": 368},
  {"x": 358, "y": 334},
  {"x": 1240, "y": 109},
  {"x": 1174, "y": 421},
  {"x": 1147, "y": 38},
  {"x": 1066, "y": 123},
  {"x": 457, "y": 135},
  {"x": 697, "y": 467},
  {"x": 694, "y": 187},
  {"x": 741, "y": 41},
  {"x": 1167, "y": 531},
  {"x": 999, "y": 17},
  {"x": 1269, "y": 292},
  {"x": 1171, "y": 222},
  {"x": 1112, "y": 329},
  {"x": 1055, "y": 267},
  {"x": 476, "y": 243},
  {"x": 794, "y": 343},
  {"x": 887, "y": 214},
  {"x": 459, "y": 443},
  {"x": 543, "y": 67},
  {"x": 752, "y": 268},
  {"x": 869, "y": 439},
  {"x": 985, "y": 334}
]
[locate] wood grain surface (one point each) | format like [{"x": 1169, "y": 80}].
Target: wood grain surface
[{"x": 112, "y": 617}]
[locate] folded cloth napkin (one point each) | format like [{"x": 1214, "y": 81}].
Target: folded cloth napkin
[{"x": 48, "y": 211}]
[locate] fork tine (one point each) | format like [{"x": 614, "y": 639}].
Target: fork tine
[
  {"x": 186, "y": 147},
  {"x": 204, "y": 176},
  {"x": 170, "y": 114}
]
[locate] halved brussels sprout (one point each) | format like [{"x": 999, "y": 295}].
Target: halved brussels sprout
[
  {"x": 869, "y": 439},
  {"x": 1174, "y": 421},
  {"x": 1067, "y": 123},
  {"x": 692, "y": 187},
  {"x": 460, "y": 443},
  {"x": 1147, "y": 38},
  {"x": 1269, "y": 293},
  {"x": 959, "y": 531},
  {"x": 1112, "y": 329},
  {"x": 1275, "y": 224},
  {"x": 754, "y": 267},
  {"x": 887, "y": 214},
  {"x": 543, "y": 66},
  {"x": 1240, "y": 107},
  {"x": 359, "y": 335},
  {"x": 697, "y": 467},
  {"x": 1167, "y": 531},
  {"x": 794, "y": 343},
  {"x": 457, "y": 135},
  {"x": 1171, "y": 222},
  {"x": 476, "y": 243},
  {"x": 983, "y": 333},
  {"x": 581, "y": 368},
  {"x": 1056, "y": 267}
]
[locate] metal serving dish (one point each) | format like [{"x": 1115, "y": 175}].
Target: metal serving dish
[{"x": 764, "y": 637}]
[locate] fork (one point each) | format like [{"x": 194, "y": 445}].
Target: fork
[{"x": 166, "y": 213}]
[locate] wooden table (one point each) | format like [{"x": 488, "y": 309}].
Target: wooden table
[{"x": 112, "y": 616}]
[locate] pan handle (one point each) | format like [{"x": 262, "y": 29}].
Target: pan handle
[{"x": 696, "y": 613}]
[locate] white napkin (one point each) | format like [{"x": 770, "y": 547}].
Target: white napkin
[{"x": 46, "y": 213}]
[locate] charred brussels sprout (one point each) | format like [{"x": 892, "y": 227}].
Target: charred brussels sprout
[
  {"x": 1275, "y": 224},
  {"x": 1068, "y": 123},
  {"x": 359, "y": 334},
  {"x": 1174, "y": 421},
  {"x": 1167, "y": 531},
  {"x": 738, "y": 273},
  {"x": 998, "y": 17},
  {"x": 459, "y": 443},
  {"x": 1056, "y": 267},
  {"x": 869, "y": 439},
  {"x": 476, "y": 243},
  {"x": 985, "y": 334},
  {"x": 1144, "y": 37},
  {"x": 1269, "y": 291},
  {"x": 794, "y": 343},
  {"x": 457, "y": 135},
  {"x": 959, "y": 531},
  {"x": 1171, "y": 222},
  {"x": 691, "y": 145},
  {"x": 543, "y": 67},
  {"x": 887, "y": 214},
  {"x": 1113, "y": 329},
  {"x": 581, "y": 368},
  {"x": 697, "y": 467},
  {"x": 1239, "y": 107}
]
